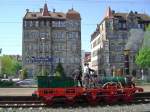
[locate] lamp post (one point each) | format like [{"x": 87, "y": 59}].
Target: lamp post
[
  {"x": 0, "y": 61},
  {"x": 126, "y": 61},
  {"x": 43, "y": 55}
]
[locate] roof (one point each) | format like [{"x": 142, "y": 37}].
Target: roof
[
  {"x": 109, "y": 13},
  {"x": 121, "y": 16},
  {"x": 124, "y": 16},
  {"x": 36, "y": 15},
  {"x": 141, "y": 16},
  {"x": 71, "y": 14}
]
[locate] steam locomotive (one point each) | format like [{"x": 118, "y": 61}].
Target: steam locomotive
[
  {"x": 111, "y": 90},
  {"x": 53, "y": 89}
]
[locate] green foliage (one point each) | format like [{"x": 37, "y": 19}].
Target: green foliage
[
  {"x": 143, "y": 58},
  {"x": 45, "y": 73},
  {"x": 10, "y": 66},
  {"x": 7, "y": 84},
  {"x": 146, "y": 41},
  {"x": 59, "y": 70}
]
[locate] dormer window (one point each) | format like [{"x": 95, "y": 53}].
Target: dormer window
[
  {"x": 59, "y": 15},
  {"x": 33, "y": 15}
]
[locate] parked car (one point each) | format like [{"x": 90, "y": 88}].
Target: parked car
[
  {"x": 5, "y": 79},
  {"x": 27, "y": 83}
]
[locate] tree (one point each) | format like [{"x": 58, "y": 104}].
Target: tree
[
  {"x": 60, "y": 70},
  {"x": 10, "y": 65},
  {"x": 143, "y": 56},
  {"x": 45, "y": 72},
  {"x": 6, "y": 65}
]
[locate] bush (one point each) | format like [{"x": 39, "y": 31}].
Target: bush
[
  {"x": 7, "y": 84},
  {"x": 59, "y": 70}
]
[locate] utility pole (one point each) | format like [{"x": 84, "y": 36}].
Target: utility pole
[
  {"x": 0, "y": 61},
  {"x": 43, "y": 55}
]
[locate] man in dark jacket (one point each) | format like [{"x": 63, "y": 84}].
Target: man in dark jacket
[{"x": 77, "y": 74}]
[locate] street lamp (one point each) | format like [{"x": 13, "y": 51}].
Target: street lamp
[
  {"x": 43, "y": 54},
  {"x": 0, "y": 60},
  {"x": 126, "y": 61}
]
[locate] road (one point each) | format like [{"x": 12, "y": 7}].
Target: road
[{"x": 16, "y": 91}]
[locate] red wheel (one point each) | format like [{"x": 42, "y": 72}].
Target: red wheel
[
  {"x": 70, "y": 102},
  {"x": 128, "y": 98},
  {"x": 92, "y": 100},
  {"x": 110, "y": 99},
  {"x": 48, "y": 102}
]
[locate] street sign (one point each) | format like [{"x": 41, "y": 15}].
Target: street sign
[{"x": 42, "y": 59}]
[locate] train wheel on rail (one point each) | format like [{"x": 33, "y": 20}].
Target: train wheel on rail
[
  {"x": 70, "y": 102},
  {"x": 92, "y": 99},
  {"x": 110, "y": 99},
  {"x": 47, "y": 101},
  {"x": 127, "y": 98}
]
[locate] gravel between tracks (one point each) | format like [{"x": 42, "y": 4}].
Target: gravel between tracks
[{"x": 116, "y": 108}]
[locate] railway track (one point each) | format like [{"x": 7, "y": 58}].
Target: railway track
[
  {"x": 20, "y": 101},
  {"x": 34, "y": 102}
]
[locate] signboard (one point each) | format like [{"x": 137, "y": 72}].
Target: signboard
[{"x": 42, "y": 59}]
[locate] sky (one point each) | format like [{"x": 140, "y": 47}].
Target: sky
[{"x": 92, "y": 12}]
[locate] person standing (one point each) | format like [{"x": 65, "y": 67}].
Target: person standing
[
  {"x": 86, "y": 75},
  {"x": 77, "y": 74}
]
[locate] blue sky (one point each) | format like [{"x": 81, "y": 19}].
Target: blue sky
[{"x": 92, "y": 12}]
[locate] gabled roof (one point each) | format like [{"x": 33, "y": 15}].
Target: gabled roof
[
  {"x": 142, "y": 17},
  {"x": 45, "y": 11},
  {"x": 109, "y": 13},
  {"x": 71, "y": 14}
]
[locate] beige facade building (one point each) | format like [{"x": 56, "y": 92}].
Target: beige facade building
[
  {"x": 50, "y": 37},
  {"x": 111, "y": 38}
]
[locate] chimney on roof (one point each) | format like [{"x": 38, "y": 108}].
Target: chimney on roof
[
  {"x": 136, "y": 12},
  {"x": 113, "y": 12},
  {"x": 109, "y": 13},
  {"x": 41, "y": 10},
  {"x": 27, "y": 10},
  {"x": 45, "y": 12},
  {"x": 54, "y": 10},
  {"x": 131, "y": 12}
]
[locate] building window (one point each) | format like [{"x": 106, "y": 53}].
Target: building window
[
  {"x": 124, "y": 25},
  {"x": 33, "y": 35},
  {"x": 31, "y": 23},
  {"x": 25, "y": 24},
  {"x": 36, "y": 24},
  {"x": 42, "y": 23},
  {"x": 102, "y": 27},
  {"x": 58, "y": 35},
  {"x": 44, "y": 35},
  {"x": 47, "y": 23},
  {"x": 58, "y": 24},
  {"x": 72, "y": 35},
  {"x": 95, "y": 53},
  {"x": 119, "y": 25}
]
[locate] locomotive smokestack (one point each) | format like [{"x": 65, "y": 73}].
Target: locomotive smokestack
[{"x": 126, "y": 61}]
